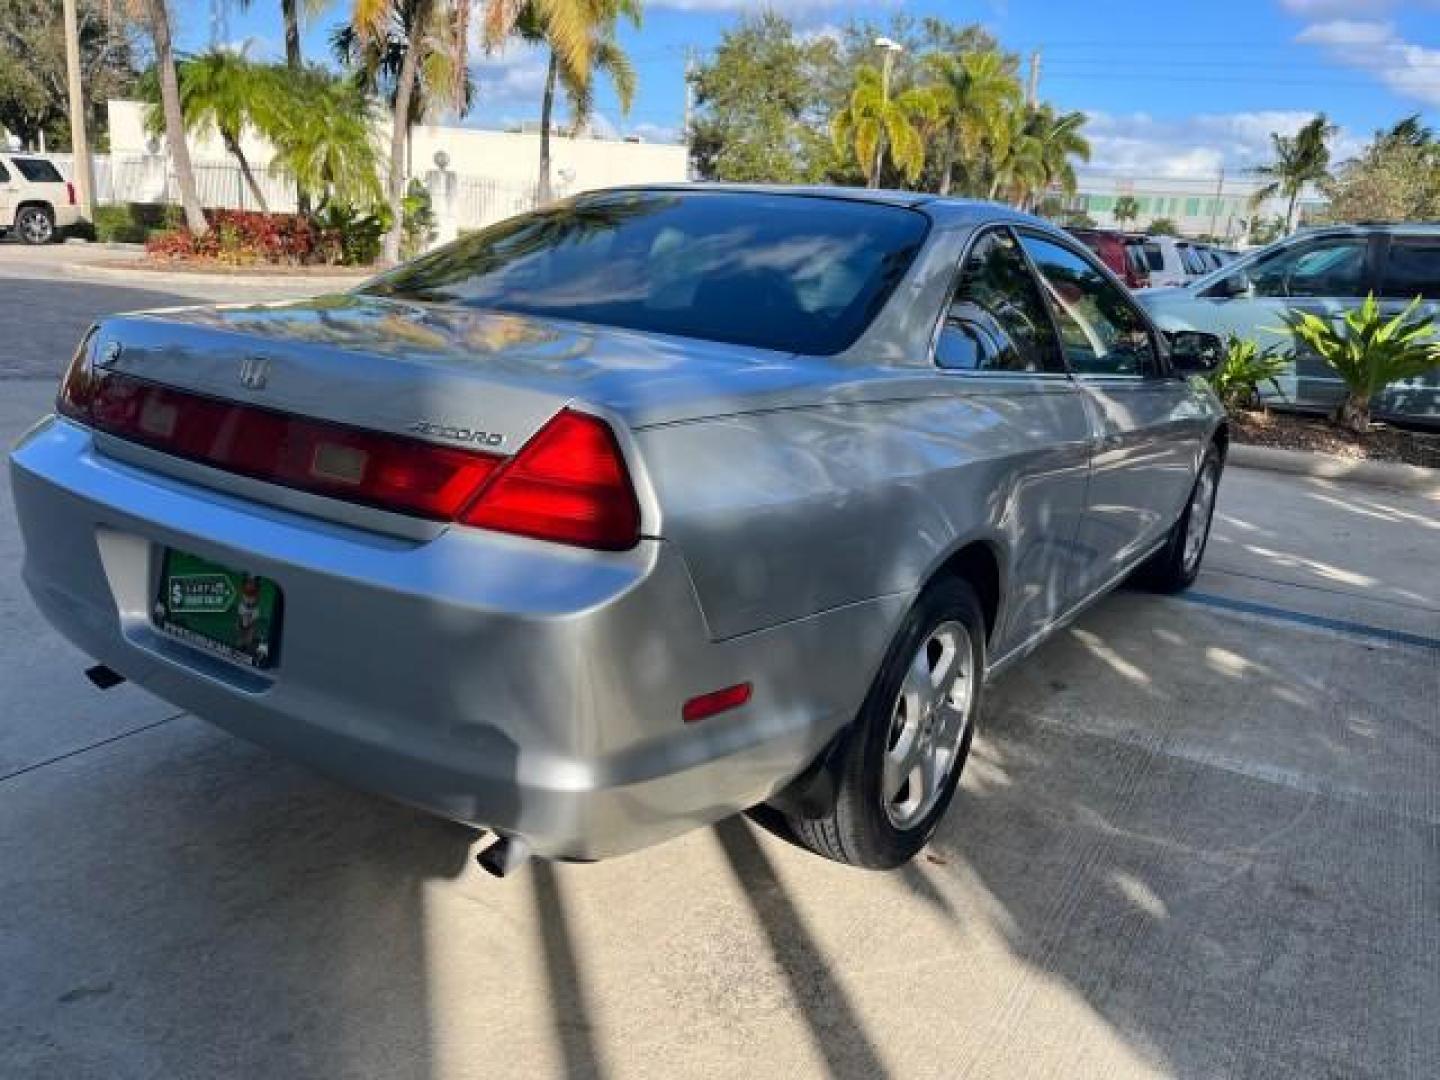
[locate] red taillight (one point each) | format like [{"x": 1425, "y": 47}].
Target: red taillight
[
  {"x": 70, "y": 192},
  {"x": 568, "y": 483},
  {"x": 386, "y": 471},
  {"x": 717, "y": 701}
]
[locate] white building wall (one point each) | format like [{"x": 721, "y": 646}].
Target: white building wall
[{"x": 489, "y": 175}]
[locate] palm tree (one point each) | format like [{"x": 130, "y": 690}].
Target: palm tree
[
  {"x": 876, "y": 123},
  {"x": 377, "y": 65},
  {"x": 1300, "y": 159},
  {"x": 218, "y": 89},
  {"x": 155, "y": 13},
  {"x": 323, "y": 133},
  {"x": 974, "y": 91},
  {"x": 449, "y": 20},
  {"x": 1127, "y": 209},
  {"x": 1017, "y": 157},
  {"x": 605, "y": 55},
  {"x": 1060, "y": 142}
]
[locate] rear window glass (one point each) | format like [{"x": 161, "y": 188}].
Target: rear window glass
[
  {"x": 793, "y": 273},
  {"x": 1412, "y": 268},
  {"x": 38, "y": 170}
]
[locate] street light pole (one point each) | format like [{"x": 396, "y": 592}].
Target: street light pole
[
  {"x": 891, "y": 48},
  {"x": 79, "y": 143}
]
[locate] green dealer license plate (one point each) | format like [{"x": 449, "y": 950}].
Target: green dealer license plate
[{"x": 228, "y": 612}]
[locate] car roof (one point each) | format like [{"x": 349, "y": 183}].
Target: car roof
[{"x": 942, "y": 207}]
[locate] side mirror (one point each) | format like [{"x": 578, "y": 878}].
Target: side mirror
[
  {"x": 1231, "y": 286},
  {"x": 1193, "y": 352}
]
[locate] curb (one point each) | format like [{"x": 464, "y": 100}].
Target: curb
[
  {"x": 133, "y": 274},
  {"x": 1414, "y": 478}
]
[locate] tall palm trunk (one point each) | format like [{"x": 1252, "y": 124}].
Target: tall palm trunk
[
  {"x": 232, "y": 147},
  {"x": 290, "y": 15},
  {"x": 1290, "y": 212},
  {"x": 174, "y": 120},
  {"x": 399, "y": 133},
  {"x": 947, "y": 165},
  {"x": 543, "y": 192}
]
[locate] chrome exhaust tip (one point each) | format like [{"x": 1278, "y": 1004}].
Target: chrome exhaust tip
[{"x": 506, "y": 855}]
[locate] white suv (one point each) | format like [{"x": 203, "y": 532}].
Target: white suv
[{"x": 37, "y": 204}]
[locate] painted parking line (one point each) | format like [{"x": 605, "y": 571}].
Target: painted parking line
[{"x": 1301, "y": 618}]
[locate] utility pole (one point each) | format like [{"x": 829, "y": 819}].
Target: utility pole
[
  {"x": 79, "y": 143},
  {"x": 689, "y": 108},
  {"x": 1032, "y": 86},
  {"x": 1215, "y": 206}
]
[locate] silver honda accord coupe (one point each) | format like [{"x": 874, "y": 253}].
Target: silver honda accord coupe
[{"x": 627, "y": 514}]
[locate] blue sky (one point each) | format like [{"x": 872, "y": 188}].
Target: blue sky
[{"x": 1178, "y": 88}]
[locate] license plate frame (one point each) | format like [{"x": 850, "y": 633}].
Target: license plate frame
[{"x": 233, "y": 614}]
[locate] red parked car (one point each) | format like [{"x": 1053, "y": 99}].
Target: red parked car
[{"x": 1122, "y": 252}]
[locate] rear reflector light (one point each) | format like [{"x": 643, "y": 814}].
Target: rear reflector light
[
  {"x": 568, "y": 484},
  {"x": 70, "y": 192},
  {"x": 717, "y": 701}
]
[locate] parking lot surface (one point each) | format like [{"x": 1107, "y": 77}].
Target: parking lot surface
[{"x": 1197, "y": 837}]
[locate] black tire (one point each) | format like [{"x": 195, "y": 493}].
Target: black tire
[
  {"x": 859, "y": 829},
  {"x": 35, "y": 225},
  {"x": 1169, "y": 570}
]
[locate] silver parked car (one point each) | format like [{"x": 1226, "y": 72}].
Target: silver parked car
[
  {"x": 627, "y": 514},
  {"x": 1325, "y": 272}
]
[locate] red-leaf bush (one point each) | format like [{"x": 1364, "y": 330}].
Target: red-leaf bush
[{"x": 242, "y": 237}]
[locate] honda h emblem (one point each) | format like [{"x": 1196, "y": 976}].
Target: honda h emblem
[{"x": 254, "y": 371}]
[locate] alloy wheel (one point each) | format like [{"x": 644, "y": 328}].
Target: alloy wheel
[{"x": 928, "y": 725}]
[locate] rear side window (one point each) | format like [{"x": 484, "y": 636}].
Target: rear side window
[
  {"x": 1101, "y": 331},
  {"x": 4, "y": 174},
  {"x": 38, "y": 170},
  {"x": 1154, "y": 257},
  {"x": 997, "y": 320},
  {"x": 1412, "y": 268},
  {"x": 793, "y": 273},
  {"x": 1331, "y": 267}
]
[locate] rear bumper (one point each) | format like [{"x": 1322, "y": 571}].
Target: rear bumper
[{"x": 515, "y": 685}]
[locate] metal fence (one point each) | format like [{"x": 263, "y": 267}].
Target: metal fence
[{"x": 460, "y": 202}]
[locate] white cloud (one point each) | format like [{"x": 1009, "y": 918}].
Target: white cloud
[
  {"x": 656, "y": 133},
  {"x": 1410, "y": 70},
  {"x": 1193, "y": 147},
  {"x": 1320, "y": 9},
  {"x": 512, "y": 77}
]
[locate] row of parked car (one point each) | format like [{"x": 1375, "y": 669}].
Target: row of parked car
[
  {"x": 1324, "y": 271},
  {"x": 1144, "y": 262}
]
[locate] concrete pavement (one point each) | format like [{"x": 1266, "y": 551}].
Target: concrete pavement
[{"x": 1198, "y": 837}]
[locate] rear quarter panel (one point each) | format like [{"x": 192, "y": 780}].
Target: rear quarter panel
[{"x": 786, "y": 513}]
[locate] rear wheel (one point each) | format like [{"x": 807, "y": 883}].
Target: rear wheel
[
  {"x": 902, "y": 757},
  {"x": 1176, "y": 565},
  {"x": 35, "y": 225}
]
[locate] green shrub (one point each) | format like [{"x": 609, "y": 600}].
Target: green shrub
[
  {"x": 134, "y": 223},
  {"x": 418, "y": 215},
  {"x": 1368, "y": 352},
  {"x": 350, "y": 237},
  {"x": 1245, "y": 369}
]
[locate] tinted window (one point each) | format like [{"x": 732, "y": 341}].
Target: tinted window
[
  {"x": 1154, "y": 256},
  {"x": 799, "y": 274},
  {"x": 1334, "y": 267},
  {"x": 1138, "y": 263},
  {"x": 1101, "y": 331},
  {"x": 4, "y": 175},
  {"x": 998, "y": 308},
  {"x": 1191, "y": 259},
  {"x": 1412, "y": 268},
  {"x": 38, "y": 171}
]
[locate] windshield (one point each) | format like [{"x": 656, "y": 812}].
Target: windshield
[{"x": 792, "y": 273}]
